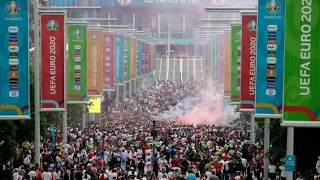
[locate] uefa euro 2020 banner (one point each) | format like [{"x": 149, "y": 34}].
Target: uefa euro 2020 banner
[
  {"x": 248, "y": 62},
  {"x": 235, "y": 63},
  {"x": 52, "y": 60},
  {"x": 302, "y": 76},
  {"x": 210, "y": 54},
  {"x": 134, "y": 58},
  {"x": 227, "y": 65},
  {"x": 144, "y": 58},
  {"x": 95, "y": 68},
  {"x": 77, "y": 63},
  {"x": 108, "y": 61},
  {"x": 221, "y": 61},
  {"x": 139, "y": 57},
  {"x": 119, "y": 50},
  {"x": 217, "y": 59},
  {"x": 127, "y": 59},
  {"x": 270, "y": 57},
  {"x": 14, "y": 53}
]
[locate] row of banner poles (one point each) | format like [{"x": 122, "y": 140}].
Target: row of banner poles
[
  {"x": 38, "y": 102},
  {"x": 247, "y": 13},
  {"x": 271, "y": 20}
]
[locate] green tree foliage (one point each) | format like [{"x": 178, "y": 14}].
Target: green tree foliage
[
  {"x": 14, "y": 133},
  {"x": 278, "y": 137}
]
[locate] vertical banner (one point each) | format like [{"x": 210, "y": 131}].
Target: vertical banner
[
  {"x": 248, "y": 62},
  {"x": 52, "y": 60},
  {"x": 221, "y": 61},
  {"x": 134, "y": 58},
  {"x": 95, "y": 68},
  {"x": 270, "y": 40},
  {"x": 227, "y": 65},
  {"x": 235, "y": 63},
  {"x": 127, "y": 59},
  {"x": 14, "y": 53},
  {"x": 144, "y": 58},
  {"x": 77, "y": 63},
  {"x": 139, "y": 57},
  {"x": 206, "y": 57},
  {"x": 211, "y": 55},
  {"x": 108, "y": 62},
  {"x": 149, "y": 58},
  {"x": 152, "y": 47},
  {"x": 217, "y": 59},
  {"x": 119, "y": 49},
  {"x": 154, "y": 59},
  {"x": 301, "y": 97}
]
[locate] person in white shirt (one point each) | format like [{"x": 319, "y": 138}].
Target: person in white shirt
[
  {"x": 112, "y": 174},
  {"x": 86, "y": 177},
  {"x": 283, "y": 174},
  {"x": 163, "y": 174},
  {"x": 15, "y": 174},
  {"x": 208, "y": 174},
  {"x": 272, "y": 171},
  {"x": 47, "y": 176},
  {"x": 238, "y": 177},
  {"x": 32, "y": 174}
]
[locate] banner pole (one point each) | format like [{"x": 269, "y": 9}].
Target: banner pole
[
  {"x": 124, "y": 90},
  {"x": 266, "y": 145},
  {"x": 65, "y": 113},
  {"x": 117, "y": 94},
  {"x": 290, "y": 146},
  {"x": 252, "y": 132},
  {"x": 84, "y": 116},
  {"x": 130, "y": 89},
  {"x": 64, "y": 125},
  {"x": 37, "y": 80}
]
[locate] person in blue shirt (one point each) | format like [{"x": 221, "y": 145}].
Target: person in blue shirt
[
  {"x": 190, "y": 175},
  {"x": 173, "y": 152}
]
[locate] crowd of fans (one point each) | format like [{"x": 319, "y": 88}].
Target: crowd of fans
[{"x": 130, "y": 143}]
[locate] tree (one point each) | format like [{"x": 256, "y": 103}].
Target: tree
[{"x": 14, "y": 133}]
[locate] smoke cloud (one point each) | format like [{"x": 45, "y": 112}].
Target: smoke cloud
[{"x": 209, "y": 107}]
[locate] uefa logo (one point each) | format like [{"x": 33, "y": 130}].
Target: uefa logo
[
  {"x": 125, "y": 2},
  {"x": 94, "y": 38},
  {"x": 273, "y": 6},
  {"x": 118, "y": 40},
  {"x": 13, "y": 8},
  {"x": 252, "y": 26},
  {"x": 77, "y": 33},
  {"x": 52, "y": 25},
  {"x": 218, "y": 2},
  {"x": 107, "y": 40},
  {"x": 239, "y": 34}
]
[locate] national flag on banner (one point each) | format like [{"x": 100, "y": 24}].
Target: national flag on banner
[
  {"x": 218, "y": 2},
  {"x": 124, "y": 2}
]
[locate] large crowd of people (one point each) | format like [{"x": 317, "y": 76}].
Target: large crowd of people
[{"x": 132, "y": 143}]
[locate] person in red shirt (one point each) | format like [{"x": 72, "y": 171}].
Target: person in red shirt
[
  {"x": 174, "y": 162},
  {"x": 218, "y": 168},
  {"x": 232, "y": 177},
  {"x": 90, "y": 154},
  {"x": 100, "y": 163}
]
